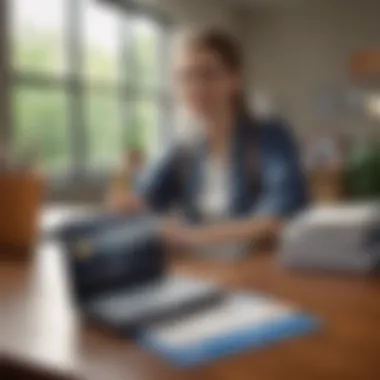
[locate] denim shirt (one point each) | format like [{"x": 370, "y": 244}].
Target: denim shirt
[{"x": 266, "y": 175}]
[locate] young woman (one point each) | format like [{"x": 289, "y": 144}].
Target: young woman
[{"x": 242, "y": 179}]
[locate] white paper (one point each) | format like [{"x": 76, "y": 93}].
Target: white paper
[{"x": 234, "y": 314}]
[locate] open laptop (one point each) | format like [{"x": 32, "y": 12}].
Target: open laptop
[{"x": 118, "y": 275}]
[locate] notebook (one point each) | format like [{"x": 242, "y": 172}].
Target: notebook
[{"x": 238, "y": 323}]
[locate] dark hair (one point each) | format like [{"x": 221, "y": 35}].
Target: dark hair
[{"x": 227, "y": 48}]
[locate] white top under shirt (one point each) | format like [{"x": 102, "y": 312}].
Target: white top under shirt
[
  {"x": 214, "y": 196},
  {"x": 213, "y": 204}
]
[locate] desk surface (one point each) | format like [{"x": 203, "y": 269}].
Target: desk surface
[{"x": 38, "y": 326}]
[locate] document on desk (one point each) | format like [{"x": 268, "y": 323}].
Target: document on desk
[{"x": 238, "y": 323}]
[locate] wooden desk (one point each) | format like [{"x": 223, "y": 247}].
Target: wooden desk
[{"x": 39, "y": 328}]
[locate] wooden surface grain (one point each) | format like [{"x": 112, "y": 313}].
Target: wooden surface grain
[{"x": 40, "y": 331}]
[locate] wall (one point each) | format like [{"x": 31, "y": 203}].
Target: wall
[
  {"x": 295, "y": 52},
  {"x": 197, "y": 12},
  {"x": 185, "y": 12}
]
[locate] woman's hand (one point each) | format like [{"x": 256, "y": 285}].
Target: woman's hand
[
  {"x": 122, "y": 202},
  {"x": 178, "y": 235}
]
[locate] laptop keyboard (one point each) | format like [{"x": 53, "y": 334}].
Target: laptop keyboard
[{"x": 164, "y": 294}]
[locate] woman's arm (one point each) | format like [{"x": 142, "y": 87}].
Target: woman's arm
[
  {"x": 157, "y": 189},
  {"x": 225, "y": 232}
]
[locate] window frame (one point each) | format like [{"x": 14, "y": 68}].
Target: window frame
[{"x": 75, "y": 85}]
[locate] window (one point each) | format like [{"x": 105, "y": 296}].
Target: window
[
  {"x": 38, "y": 33},
  {"x": 40, "y": 116},
  {"x": 101, "y": 42},
  {"x": 87, "y": 82},
  {"x": 104, "y": 127}
]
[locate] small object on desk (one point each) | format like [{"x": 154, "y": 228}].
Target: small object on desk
[
  {"x": 334, "y": 238},
  {"x": 239, "y": 323}
]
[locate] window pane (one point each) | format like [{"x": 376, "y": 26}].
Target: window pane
[
  {"x": 38, "y": 35},
  {"x": 145, "y": 52},
  {"x": 104, "y": 129},
  {"x": 101, "y": 41},
  {"x": 40, "y": 117},
  {"x": 146, "y": 126}
]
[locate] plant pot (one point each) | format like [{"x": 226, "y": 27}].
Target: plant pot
[{"x": 21, "y": 197}]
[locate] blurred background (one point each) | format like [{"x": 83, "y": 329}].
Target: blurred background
[
  {"x": 86, "y": 103},
  {"x": 84, "y": 82}
]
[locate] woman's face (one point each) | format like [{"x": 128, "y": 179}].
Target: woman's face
[{"x": 203, "y": 83}]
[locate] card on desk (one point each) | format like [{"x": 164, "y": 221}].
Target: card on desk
[{"x": 238, "y": 323}]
